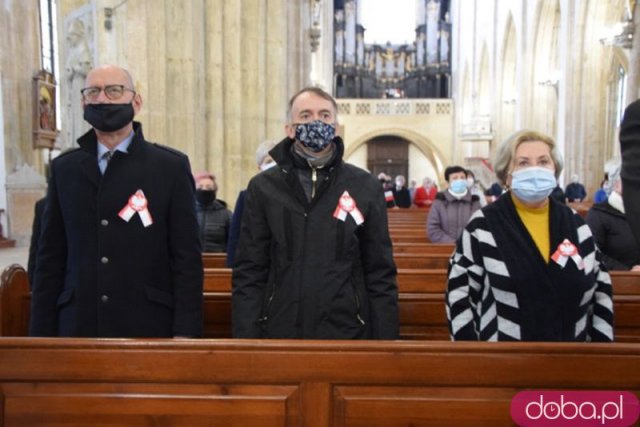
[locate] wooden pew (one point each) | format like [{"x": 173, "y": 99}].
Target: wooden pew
[
  {"x": 52, "y": 382},
  {"x": 421, "y": 304},
  {"x": 214, "y": 260}
]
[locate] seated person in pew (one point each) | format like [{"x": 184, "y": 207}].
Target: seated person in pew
[
  {"x": 526, "y": 267},
  {"x": 119, "y": 254},
  {"x": 452, "y": 208},
  {"x": 610, "y": 228},
  {"x": 314, "y": 258}
]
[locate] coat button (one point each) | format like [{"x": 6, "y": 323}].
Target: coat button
[
  {"x": 104, "y": 298},
  {"x": 104, "y": 260},
  {"x": 104, "y": 222}
]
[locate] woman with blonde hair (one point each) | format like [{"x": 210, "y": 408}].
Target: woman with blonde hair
[{"x": 526, "y": 267}]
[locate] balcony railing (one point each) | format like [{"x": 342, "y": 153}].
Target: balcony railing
[{"x": 394, "y": 107}]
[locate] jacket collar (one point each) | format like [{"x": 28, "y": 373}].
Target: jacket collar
[
  {"x": 89, "y": 144},
  {"x": 89, "y": 141},
  {"x": 284, "y": 157}
]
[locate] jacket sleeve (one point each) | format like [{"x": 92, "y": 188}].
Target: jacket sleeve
[
  {"x": 601, "y": 317},
  {"x": 50, "y": 266},
  {"x": 435, "y": 233},
  {"x": 464, "y": 286},
  {"x": 251, "y": 269},
  {"x": 380, "y": 270},
  {"x": 185, "y": 256},
  {"x": 630, "y": 151},
  {"x": 599, "y": 232},
  {"x": 234, "y": 229}
]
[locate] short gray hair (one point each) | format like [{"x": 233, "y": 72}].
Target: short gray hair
[
  {"x": 613, "y": 168},
  {"x": 263, "y": 150},
  {"x": 316, "y": 91},
  {"x": 506, "y": 151}
]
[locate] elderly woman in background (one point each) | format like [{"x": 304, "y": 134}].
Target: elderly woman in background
[
  {"x": 611, "y": 230},
  {"x": 526, "y": 267}
]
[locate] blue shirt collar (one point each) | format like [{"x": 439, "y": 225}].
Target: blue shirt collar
[{"x": 123, "y": 146}]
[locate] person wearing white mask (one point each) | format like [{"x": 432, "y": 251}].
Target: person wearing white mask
[
  {"x": 452, "y": 208},
  {"x": 472, "y": 184},
  {"x": 611, "y": 230},
  {"x": 526, "y": 267}
]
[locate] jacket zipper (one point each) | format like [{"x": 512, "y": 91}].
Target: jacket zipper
[
  {"x": 265, "y": 317},
  {"x": 314, "y": 179}
]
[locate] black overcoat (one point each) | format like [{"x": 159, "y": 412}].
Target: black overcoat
[
  {"x": 304, "y": 271},
  {"x": 98, "y": 275}
]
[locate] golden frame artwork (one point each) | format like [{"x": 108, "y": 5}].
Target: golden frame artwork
[{"x": 44, "y": 110}]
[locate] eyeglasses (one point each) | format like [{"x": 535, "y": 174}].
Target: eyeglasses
[{"x": 112, "y": 92}]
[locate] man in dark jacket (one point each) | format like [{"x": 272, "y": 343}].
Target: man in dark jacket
[
  {"x": 630, "y": 150},
  {"x": 119, "y": 254},
  {"x": 314, "y": 258}
]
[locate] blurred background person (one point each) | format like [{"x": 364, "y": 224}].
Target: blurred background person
[
  {"x": 401, "y": 194},
  {"x": 214, "y": 218},
  {"x": 575, "y": 191},
  {"x": 452, "y": 208},
  {"x": 426, "y": 194},
  {"x": 264, "y": 161},
  {"x": 474, "y": 187},
  {"x": 611, "y": 230}
]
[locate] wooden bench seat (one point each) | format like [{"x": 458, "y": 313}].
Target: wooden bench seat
[{"x": 421, "y": 303}]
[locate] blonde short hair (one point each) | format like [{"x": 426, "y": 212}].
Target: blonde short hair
[{"x": 506, "y": 151}]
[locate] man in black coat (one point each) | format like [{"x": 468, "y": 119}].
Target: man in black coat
[
  {"x": 119, "y": 253},
  {"x": 314, "y": 258},
  {"x": 630, "y": 150}
]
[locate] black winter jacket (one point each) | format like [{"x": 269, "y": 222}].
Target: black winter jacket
[
  {"x": 613, "y": 236},
  {"x": 214, "y": 220},
  {"x": 301, "y": 272}
]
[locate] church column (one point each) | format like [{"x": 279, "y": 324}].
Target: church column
[{"x": 633, "y": 77}]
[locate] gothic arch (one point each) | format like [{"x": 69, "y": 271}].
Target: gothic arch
[{"x": 424, "y": 144}]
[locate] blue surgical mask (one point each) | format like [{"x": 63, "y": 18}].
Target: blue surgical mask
[
  {"x": 316, "y": 135},
  {"x": 458, "y": 186},
  {"x": 533, "y": 184}
]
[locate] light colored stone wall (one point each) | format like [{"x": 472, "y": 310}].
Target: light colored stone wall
[
  {"x": 547, "y": 69},
  {"x": 19, "y": 62},
  {"x": 215, "y": 75},
  {"x": 426, "y": 123}
]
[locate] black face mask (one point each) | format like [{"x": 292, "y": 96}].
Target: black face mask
[
  {"x": 205, "y": 197},
  {"x": 108, "y": 117}
]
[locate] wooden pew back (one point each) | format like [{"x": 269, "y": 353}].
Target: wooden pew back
[
  {"x": 51, "y": 382},
  {"x": 421, "y": 303}
]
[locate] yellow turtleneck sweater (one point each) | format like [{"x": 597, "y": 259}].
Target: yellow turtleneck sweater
[{"x": 536, "y": 220}]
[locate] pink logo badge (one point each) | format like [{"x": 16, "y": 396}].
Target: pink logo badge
[{"x": 550, "y": 408}]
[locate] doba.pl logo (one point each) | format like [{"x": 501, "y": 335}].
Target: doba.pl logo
[{"x": 575, "y": 408}]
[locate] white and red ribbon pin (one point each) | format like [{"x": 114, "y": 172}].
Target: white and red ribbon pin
[
  {"x": 346, "y": 205},
  {"x": 567, "y": 250},
  {"x": 137, "y": 203}
]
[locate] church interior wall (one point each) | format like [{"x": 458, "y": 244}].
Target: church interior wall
[{"x": 216, "y": 76}]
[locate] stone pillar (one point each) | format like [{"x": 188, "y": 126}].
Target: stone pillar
[
  {"x": 24, "y": 188},
  {"x": 633, "y": 77}
]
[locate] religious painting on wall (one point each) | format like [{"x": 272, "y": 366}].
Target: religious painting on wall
[{"x": 44, "y": 111}]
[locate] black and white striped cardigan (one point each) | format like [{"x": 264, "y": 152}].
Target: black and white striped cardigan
[{"x": 499, "y": 291}]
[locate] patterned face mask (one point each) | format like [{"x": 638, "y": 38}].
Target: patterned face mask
[{"x": 316, "y": 135}]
